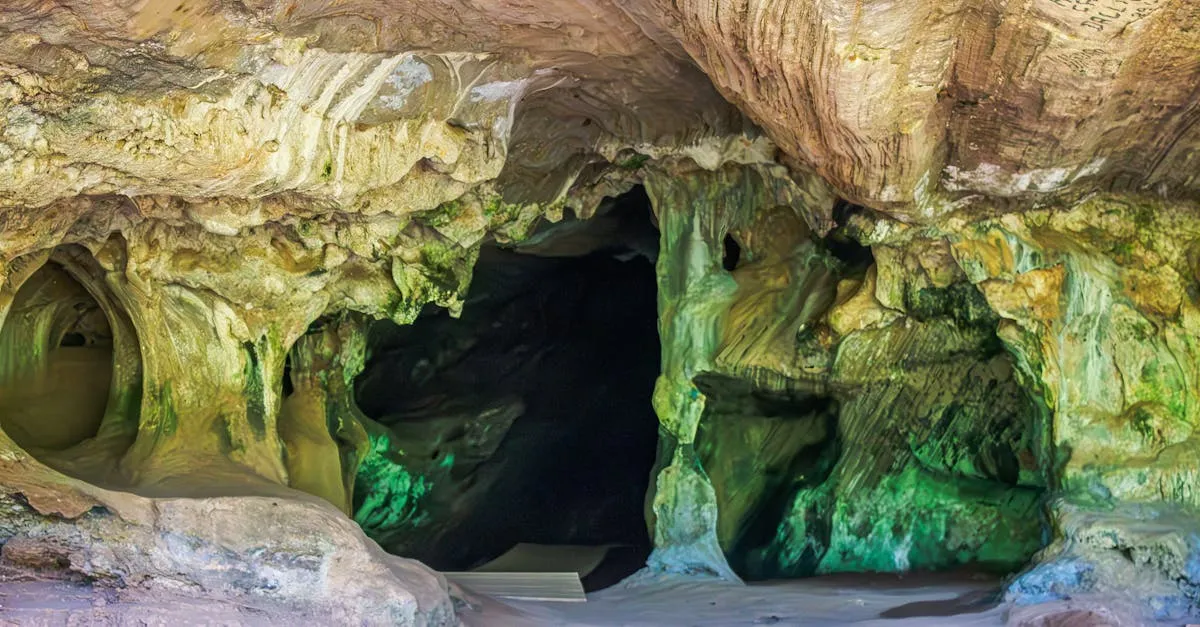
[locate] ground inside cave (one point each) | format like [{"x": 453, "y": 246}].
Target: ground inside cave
[
  {"x": 961, "y": 598},
  {"x": 958, "y": 599}
]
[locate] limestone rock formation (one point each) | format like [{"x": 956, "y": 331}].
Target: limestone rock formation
[
  {"x": 894, "y": 102},
  {"x": 322, "y": 567},
  {"x": 927, "y": 286}
]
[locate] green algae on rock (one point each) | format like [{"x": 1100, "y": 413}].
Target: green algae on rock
[{"x": 927, "y": 284}]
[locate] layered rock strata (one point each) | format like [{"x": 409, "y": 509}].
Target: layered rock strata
[{"x": 928, "y": 277}]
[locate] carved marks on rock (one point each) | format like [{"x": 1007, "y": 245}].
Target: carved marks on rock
[{"x": 1101, "y": 16}]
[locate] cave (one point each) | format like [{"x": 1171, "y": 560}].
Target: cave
[
  {"x": 527, "y": 419},
  {"x": 70, "y": 367},
  {"x": 57, "y": 350},
  {"x": 608, "y": 312}
]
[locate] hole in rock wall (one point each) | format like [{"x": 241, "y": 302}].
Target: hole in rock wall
[
  {"x": 854, "y": 257},
  {"x": 529, "y": 418},
  {"x": 732, "y": 253},
  {"x": 73, "y": 339},
  {"x": 56, "y": 363}
]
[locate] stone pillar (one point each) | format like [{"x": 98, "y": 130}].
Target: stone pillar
[
  {"x": 320, "y": 424},
  {"x": 209, "y": 393},
  {"x": 214, "y": 316},
  {"x": 695, "y": 211}
]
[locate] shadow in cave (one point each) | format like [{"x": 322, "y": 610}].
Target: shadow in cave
[
  {"x": 529, "y": 418},
  {"x": 854, "y": 257},
  {"x": 885, "y": 445},
  {"x": 759, "y": 447}
]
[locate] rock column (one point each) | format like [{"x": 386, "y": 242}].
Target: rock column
[
  {"x": 695, "y": 211},
  {"x": 320, "y": 423}
]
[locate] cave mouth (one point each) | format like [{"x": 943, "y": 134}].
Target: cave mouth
[
  {"x": 56, "y": 363},
  {"x": 528, "y": 420},
  {"x": 916, "y": 448}
]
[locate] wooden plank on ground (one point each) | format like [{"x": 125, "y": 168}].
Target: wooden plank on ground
[
  {"x": 548, "y": 558},
  {"x": 562, "y": 587}
]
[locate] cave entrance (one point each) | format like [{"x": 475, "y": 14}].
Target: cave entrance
[
  {"x": 56, "y": 363},
  {"x": 888, "y": 445},
  {"x": 528, "y": 420}
]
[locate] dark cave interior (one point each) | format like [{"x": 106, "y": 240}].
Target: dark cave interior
[{"x": 528, "y": 419}]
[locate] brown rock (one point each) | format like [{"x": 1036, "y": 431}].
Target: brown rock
[
  {"x": 1030, "y": 296},
  {"x": 36, "y": 553}
]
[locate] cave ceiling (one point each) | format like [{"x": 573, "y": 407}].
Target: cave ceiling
[
  {"x": 927, "y": 274},
  {"x": 397, "y": 107}
]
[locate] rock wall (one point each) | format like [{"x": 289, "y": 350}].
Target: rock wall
[
  {"x": 1096, "y": 305},
  {"x": 924, "y": 411},
  {"x": 838, "y": 433},
  {"x": 893, "y": 102},
  {"x": 239, "y": 187}
]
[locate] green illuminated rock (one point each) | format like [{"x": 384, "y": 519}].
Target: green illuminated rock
[
  {"x": 388, "y": 495},
  {"x": 927, "y": 289}
]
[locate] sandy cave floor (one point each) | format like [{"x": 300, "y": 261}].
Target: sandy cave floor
[
  {"x": 838, "y": 600},
  {"x": 927, "y": 600}
]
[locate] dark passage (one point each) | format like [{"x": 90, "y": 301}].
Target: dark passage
[{"x": 528, "y": 419}]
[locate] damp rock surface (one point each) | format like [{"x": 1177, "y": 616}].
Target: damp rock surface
[{"x": 925, "y": 295}]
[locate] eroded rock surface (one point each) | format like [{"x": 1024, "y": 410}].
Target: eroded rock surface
[
  {"x": 927, "y": 282},
  {"x": 893, "y": 101},
  {"x": 319, "y": 565}
]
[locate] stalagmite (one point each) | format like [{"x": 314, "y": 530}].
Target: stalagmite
[{"x": 319, "y": 423}]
